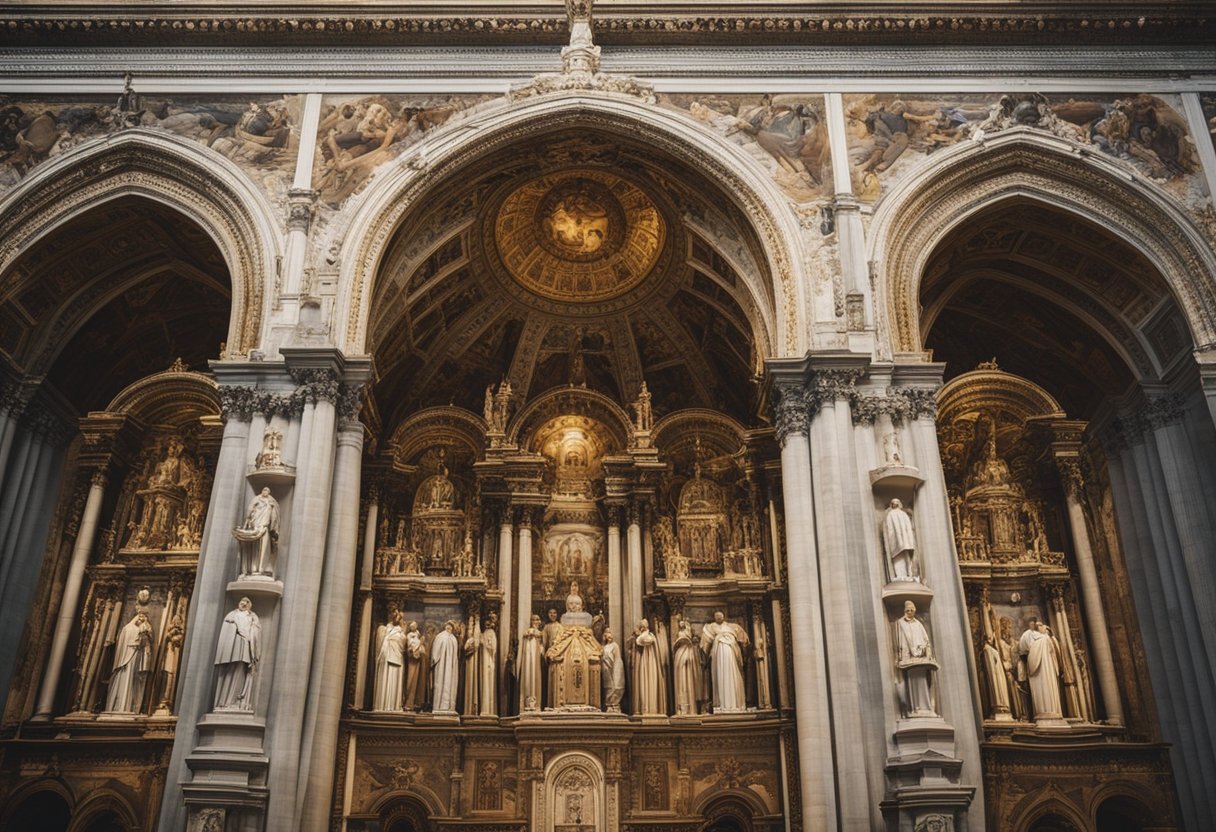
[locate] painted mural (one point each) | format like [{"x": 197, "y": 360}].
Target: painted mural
[
  {"x": 889, "y": 134},
  {"x": 786, "y": 133},
  {"x": 259, "y": 134},
  {"x": 356, "y": 135}
]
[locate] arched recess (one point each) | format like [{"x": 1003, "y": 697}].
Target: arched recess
[
  {"x": 1024, "y": 163},
  {"x": 566, "y": 401},
  {"x": 174, "y": 172},
  {"x": 442, "y": 158},
  {"x": 571, "y": 781},
  {"x": 104, "y": 811},
  {"x": 733, "y": 809},
  {"x": 41, "y": 806},
  {"x": 406, "y": 812}
]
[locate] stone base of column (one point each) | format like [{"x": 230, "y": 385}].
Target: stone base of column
[
  {"x": 229, "y": 765},
  {"x": 923, "y": 777}
]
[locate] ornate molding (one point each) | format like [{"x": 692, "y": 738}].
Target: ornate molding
[
  {"x": 1071, "y": 477},
  {"x": 316, "y": 384},
  {"x": 237, "y": 402},
  {"x": 792, "y": 410}
]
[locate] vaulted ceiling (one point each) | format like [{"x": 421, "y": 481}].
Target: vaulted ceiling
[
  {"x": 571, "y": 262},
  {"x": 111, "y": 296},
  {"x": 1053, "y": 298}
]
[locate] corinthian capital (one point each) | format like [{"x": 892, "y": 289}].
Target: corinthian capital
[{"x": 791, "y": 410}]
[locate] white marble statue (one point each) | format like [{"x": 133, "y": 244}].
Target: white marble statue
[
  {"x": 258, "y": 536},
  {"x": 132, "y": 656},
  {"x": 271, "y": 455},
  {"x": 647, "y": 672},
  {"x": 236, "y": 658},
  {"x": 415, "y": 668},
  {"x": 900, "y": 542},
  {"x": 890, "y": 449},
  {"x": 531, "y": 651},
  {"x": 390, "y": 665},
  {"x": 612, "y": 674},
  {"x": 723, "y": 642},
  {"x": 487, "y": 666},
  {"x": 445, "y": 670},
  {"x": 994, "y": 672},
  {"x": 1042, "y": 654},
  {"x": 914, "y": 658},
  {"x": 688, "y": 671}
]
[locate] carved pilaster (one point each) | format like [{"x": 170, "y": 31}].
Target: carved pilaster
[{"x": 301, "y": 205}]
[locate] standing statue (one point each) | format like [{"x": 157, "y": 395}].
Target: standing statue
[
  {"x": 258, "y": 536},
  {"x": 531, "y": 650},
  {"x": 415, "y": 668},
  {"x": 890, "y": 449},
  {"x": 445, "y": 670},
  {"x": 647, "y": 672},
  {"x": 1014, "y": 671},
  {"x": 642, "y": 409},
  {"x": 914, "y": 658},
  {"x": 488, "y": 666},
  {"x": 994, "y": 673},
  {"x": 687, "y": 671},
  {"x": 724, "y": 643},
  {"x": 390, "y": 664},
  {"x": 487, "y": 410},
  {"x": 1042, "y": 654},
  {"x": 612, "y": 672},
  {"x": 236, "y": 658},
  {"x": 132, "y": 655},
  {"x": 472, "y": 666},
  {"x": 900, "y": 542},
  {"x": 174, "y": 638}
]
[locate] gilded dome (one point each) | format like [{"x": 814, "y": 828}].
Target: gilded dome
[{"x": 579, "y": 235}]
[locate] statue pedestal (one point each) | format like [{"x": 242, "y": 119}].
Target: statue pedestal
[
  {"x": 896, "y": 592},
  {"x": 903, "y": 477},
  {"x": 228, "y": 762},
  {"x": 272, "y": 476},
  {"x": 256, "y": 585}
]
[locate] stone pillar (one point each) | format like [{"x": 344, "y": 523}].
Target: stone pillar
[
  {"x": 525, "y": 571},
  {"x": 70, "y": 601},
  {"x": 333, "y": 626},
  {"x": 830, "y": 434},
  {"x": 816, "y": 763},
  {"x": 633, "y": 544},
  {"x": 216, "y": 566},
  {"x": 616, "y": 588},
  {"x": 506, "y": 531},
  {"x": 1095, "y": 613},
  {"x": 366, "y": 577}
]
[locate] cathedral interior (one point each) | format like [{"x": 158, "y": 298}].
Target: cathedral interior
[{"x": 585, "y": 422}]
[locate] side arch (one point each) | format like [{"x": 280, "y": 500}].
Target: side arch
[
  {"x": 1027, "y": 164},
  {"x": 198, "y": 183},
  {"x": 367, "y": 237}
]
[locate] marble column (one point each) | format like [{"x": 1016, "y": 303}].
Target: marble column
[
  {"x": 216, "y": 566},
  {"x": 71, "y": 595},
  {"x": 633, "y": 546},
  {"x": 616, "y": 590},
  {"x": 506, "y": 531},
  {"x": 816, "y": 763},
  {"x": 525, "y": 572},
  {"x": 366, "y": 576},
  {"x": 1095, "y": 613},
  {"x": 320, "y": 744},
  {"x": 830, "y": 433}
]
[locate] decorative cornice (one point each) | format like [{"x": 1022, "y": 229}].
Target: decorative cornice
[{"x": 849, "y": 22}]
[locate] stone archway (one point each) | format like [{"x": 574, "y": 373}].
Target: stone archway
[
  {"x": 203, "y": 186},
  {"x": 1027, "y": 164},
  {"x": 572, "y": 797},
  {"x": 736, "y": 176}
]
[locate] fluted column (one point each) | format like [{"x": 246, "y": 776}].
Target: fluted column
[
  {"x": 616, "y": 590},
  {"x": 633, "y": 545},
  {"x": 1095, "y": 613},
  {"x": 816, "y": 766},
  {"x": 333, "y": 627},
  {"x": 71, "y": 595},
  {"x": 525, "y": 571},
  {"x": 365, "y": 588},
  {"x": 506, "y": 533}
]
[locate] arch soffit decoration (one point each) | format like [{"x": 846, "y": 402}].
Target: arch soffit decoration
[
  {"x": 452, "y": 148},
  {"x": 1028, "y": 164},
  {"x": 1038, "y": 805},
  {"x": 195, "y": 181},
  {"x": 169, "y": 398},
  {"x": 567, "y": 401},
  {"x": 717, "y": 804},
  {"x": 436, "y": 425},
  {"x": 996, "y": 389},
  {"x": 721, "y": 429},
  {"x": 398, "y": 803},
  {"x": 1116, "y": 331}
]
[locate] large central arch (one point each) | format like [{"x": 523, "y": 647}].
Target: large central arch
[{"x": 739, "y": 177}]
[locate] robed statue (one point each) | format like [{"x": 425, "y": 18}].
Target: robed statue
[{"x": 258, "y": 536}]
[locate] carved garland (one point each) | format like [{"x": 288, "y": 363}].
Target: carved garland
[
  {"x": 1035, "y": 166},
  {"x": 387, "y": 220}
]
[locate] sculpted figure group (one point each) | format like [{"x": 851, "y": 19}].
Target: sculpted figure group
[{"x": 410, "y": 675}]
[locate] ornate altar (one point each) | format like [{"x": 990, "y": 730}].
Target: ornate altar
[{"x": 701, "y": 523}]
